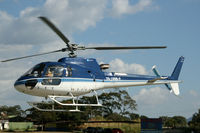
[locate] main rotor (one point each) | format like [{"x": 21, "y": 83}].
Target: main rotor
[{"x": 71, "y": 48}]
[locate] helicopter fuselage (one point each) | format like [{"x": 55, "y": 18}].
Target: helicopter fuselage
[{"x": 78, "y": 76}]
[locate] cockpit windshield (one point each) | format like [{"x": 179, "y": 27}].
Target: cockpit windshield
[
  {"x": 46, "y": 70},
  {"x": 36, "y": 71}
]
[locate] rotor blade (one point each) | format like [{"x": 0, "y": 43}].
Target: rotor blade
[
  {"x": 124, "y": 48},
  {"x": 57, "y": 31},
  {"x": 18, "y": 58}
]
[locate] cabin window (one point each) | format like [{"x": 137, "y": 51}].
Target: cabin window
[
  {"x": 51, "y": 81},
  {"x": 54, "y": 71}
]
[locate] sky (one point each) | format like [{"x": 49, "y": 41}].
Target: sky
[{"x": 171, "y": 23}]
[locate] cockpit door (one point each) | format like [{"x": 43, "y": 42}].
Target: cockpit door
[{"x": 53, "y": 74}]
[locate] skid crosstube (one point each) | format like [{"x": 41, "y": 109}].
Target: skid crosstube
[{"x": 76, "y": 104}]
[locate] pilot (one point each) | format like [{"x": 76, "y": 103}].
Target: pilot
[
  {"x": 49, "y": 73},
  {"x": 49, "y": 80}
]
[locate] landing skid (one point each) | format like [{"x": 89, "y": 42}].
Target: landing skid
[
  {"x": 35, "y": 105},
  {"x": 75, "y": 104}
]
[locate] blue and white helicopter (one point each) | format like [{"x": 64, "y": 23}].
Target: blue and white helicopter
[{"x": 71, "y": 77}]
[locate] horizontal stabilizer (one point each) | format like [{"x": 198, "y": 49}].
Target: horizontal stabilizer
[{"x": 155, "y": 71}]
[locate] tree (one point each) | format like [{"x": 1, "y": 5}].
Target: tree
[
  {"x": 40, "y": 117},
  {"x": 12, "y": 110},
  {"x": 113, "y": 102},
  {"x": 195, "y": 123},
  {"x": 126, "y": 102},
  {"x": 117, "y": 105},
  {"x": 174, "y": 122},
  {"x": 110, "y": 102},
  {"x": 134, "y": 116},
  {"x": 165, "y": 121},
  {"x": 143, "y": 117},
  {"x": 179, "y": 121},
  {"x": 117, "y": 117},
  {"x": 118, "y": 102},
  {"x": 14, "y": 113}
]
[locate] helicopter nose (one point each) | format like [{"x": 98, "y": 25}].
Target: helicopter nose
[
  {"x": 23, "y": 85},
  {"x": 20, "y": 86}
]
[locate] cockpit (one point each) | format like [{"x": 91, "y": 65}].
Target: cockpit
[{"x": 49, "y": 70}]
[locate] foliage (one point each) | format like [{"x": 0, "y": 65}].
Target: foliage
[
  {"x": 14, "y": 113},
  {"x": 118, "y": 102},
  {"x": 195, "y": 123},
  {"x": 41, "y": 117},
  {"x": 134, "y": 116},
  {"x": 174, "y": 122},
  {"x": 117, "y": 117},
  {"x": 143, "y": 117},
  {"x": 12, "y": 110},
  {"x": 117, "y": 105}
]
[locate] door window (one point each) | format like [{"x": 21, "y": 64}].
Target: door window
[
  {"x": 54, "y": 71},
  {"x": 51, "y": 73}
]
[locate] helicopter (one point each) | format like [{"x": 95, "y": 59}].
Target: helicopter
[{"x": 71, "y": 77}]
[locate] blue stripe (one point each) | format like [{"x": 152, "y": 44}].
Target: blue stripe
[
  {"x": 78, "y": 80},
  {"x": 119, "y": 79}
]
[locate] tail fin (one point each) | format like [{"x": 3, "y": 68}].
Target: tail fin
[
  {"x": 173, "y": 86},
  {"x": 177, "y": 69}
]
